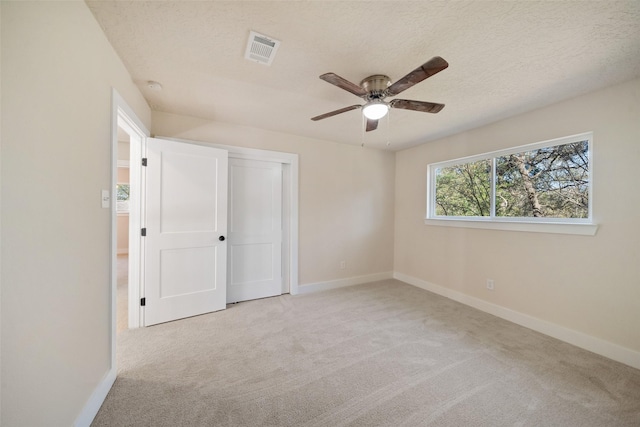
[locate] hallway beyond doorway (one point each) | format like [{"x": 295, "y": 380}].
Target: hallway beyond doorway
[{"x": 122, "y": 297}]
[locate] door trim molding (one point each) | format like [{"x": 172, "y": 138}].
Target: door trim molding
[
  {"x": 290, "y": 193},
  {"x": 134, "y": 222},
  {"x": 119, "y": 109},
  {"x": 123, "y": 116}
]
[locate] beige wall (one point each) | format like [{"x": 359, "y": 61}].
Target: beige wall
[
  {"x": 589, "y": 284},
  {"x": 346, "y": 196},
  {"x": 123, "y": 150},
  {"x": 123, "y": 175},
  {"x": 58, "y": 71}
]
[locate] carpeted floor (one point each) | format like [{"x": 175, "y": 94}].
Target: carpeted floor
[{"x": 379, "y": 354}]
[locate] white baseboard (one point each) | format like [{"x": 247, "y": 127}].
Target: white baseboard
[
  {"x": 341, "y": 283},
  {"x": 95, "y": 401},
  {"x": 579, "y": 339}
]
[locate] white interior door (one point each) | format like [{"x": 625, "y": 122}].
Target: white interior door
[
  {"x": 186, "y": 223},
  {"x": 255, "y": 230}
]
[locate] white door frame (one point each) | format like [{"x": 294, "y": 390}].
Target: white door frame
[
  {"x": 123, "y": 116},
  {"x": 289, "y": 163},
  {"x": 136, "y": 208}
]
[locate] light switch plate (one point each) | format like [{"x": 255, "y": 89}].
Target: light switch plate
[{"x": 106, "y": 199}]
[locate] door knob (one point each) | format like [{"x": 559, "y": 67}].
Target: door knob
[{"x": 221, "y": 238}]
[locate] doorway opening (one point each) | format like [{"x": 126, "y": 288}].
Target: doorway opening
[
  {"x": 121, "y": 199},
  {"x": 127, "y": 137}
]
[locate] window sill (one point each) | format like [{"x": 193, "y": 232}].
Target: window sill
[{"x": 538, "y": 227}]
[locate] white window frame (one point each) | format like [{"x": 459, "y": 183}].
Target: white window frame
[{"x": 581, "y": 226}]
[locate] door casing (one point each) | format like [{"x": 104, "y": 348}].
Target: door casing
[{"x": 123, "y": 116}]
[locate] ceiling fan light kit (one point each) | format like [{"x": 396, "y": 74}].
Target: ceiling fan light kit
[
  {"x": 375, "y": 110},
  {"x": 374, "y": 89}
]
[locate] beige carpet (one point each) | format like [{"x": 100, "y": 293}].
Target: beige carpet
[{"x": 380, "y": 354}]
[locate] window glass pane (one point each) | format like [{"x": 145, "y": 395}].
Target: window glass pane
[
  {"x": 122, "y": 197},
  {"x": 464, "y": 190},
  {"x": 551, "y": 182},
  {"x": 123, "y": 191}
]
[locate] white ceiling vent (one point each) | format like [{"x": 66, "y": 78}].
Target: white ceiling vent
[{"x": 261, "y": 48}]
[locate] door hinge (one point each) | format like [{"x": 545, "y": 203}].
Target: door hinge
[
  {"x": 143, "y": 301},
  {"x": 143, "y": 232},
  {"x": 144, "y": 161}
]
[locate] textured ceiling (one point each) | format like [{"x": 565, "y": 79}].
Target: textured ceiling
[{"x": 505, "y": 58}]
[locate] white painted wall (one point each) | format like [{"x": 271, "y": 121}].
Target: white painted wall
[
  {"x": 58, "y": 71},
  {"x": 588, "y": 284},
  {"x": 346, "y": 196}
]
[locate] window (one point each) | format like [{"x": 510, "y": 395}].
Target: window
[
  {"x": 464, "y": 189},
  {"x": 546, "y": 182},
  {"x": 122, "y": 198}
]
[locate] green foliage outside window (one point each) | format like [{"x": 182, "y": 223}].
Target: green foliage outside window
[
  {"x": 464, "y": 190},
  {"x": 122, "y": 198},
  {"x": 549, "y": 182},
  {"x": 122, "y": 192}
]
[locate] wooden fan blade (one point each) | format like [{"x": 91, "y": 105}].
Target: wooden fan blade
[
  {"x": 333, "y": 113},
  {"x": 425, "y": 107},
  {"x": 372, "y": 125},
  {"x": 336, "y": 80},
  {"x": 428, "y": 69}
]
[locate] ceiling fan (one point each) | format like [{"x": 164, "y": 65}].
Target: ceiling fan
[{"x": 374, "y": 89}]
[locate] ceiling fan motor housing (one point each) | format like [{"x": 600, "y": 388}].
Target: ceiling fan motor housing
[{"x": 376, "y": 86}]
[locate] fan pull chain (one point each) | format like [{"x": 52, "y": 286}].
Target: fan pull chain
[
  {"x": 388, "y": 128},
  {"x": 364, "y": 125}
]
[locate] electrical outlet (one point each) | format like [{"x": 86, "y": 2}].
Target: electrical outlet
[
  {"x": 490, "y": 284},
  {"x": 343, "y": 265}
]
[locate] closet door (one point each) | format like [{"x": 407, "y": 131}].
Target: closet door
[
  {"x": 186, "y": 225},
  {"x": 255, "y": 230}
]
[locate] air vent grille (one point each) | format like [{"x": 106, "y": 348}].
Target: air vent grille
[{"x": 261, "y": 48}]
